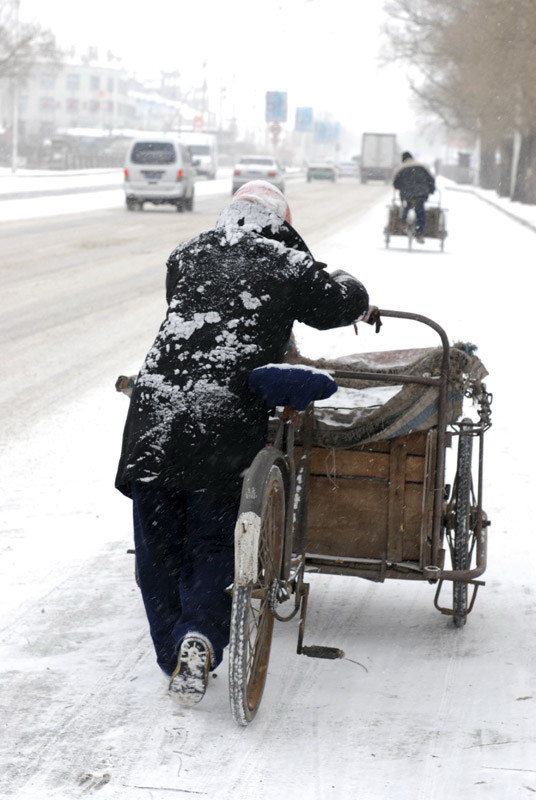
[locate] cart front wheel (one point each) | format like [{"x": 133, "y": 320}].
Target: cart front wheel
[
  {"x": 462, "y": 531},
  {"x": 252, "y": 621}
]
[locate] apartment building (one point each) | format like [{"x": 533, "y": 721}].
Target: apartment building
[
  {"x": 89, "y": 96},
  {"x": 83, "y": 99}
]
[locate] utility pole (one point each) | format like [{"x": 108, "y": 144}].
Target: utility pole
[
  {"x": 223, "y": 94},
  {"x": 204, "y": 98},
  {"x": 15, "y": 101},
  {"x": 15, "y": 126}
]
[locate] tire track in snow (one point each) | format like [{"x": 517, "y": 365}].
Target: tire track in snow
[{"x": 293, "y": 701}]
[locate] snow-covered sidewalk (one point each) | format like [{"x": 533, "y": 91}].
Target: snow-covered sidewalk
[
  {"x": 521, "y": 212},
  {"x": 32, "y": 183}
]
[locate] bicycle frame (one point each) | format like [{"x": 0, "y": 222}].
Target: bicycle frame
[{"x": 293, "y": 565}]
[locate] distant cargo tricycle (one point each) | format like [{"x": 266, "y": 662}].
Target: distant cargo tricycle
[{"x": 435, "y": 226}]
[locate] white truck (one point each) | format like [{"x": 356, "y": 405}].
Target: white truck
[
  {"x": 379, "y": 157},
  {"x": 203, "y": 149}
]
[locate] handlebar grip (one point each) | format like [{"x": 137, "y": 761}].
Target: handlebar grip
[{"x": 373, "y": 318}]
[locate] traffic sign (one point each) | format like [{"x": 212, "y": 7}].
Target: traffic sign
[
  {"x": 304, "y": 119},
  {"x": 276, "y": 106},
  {"x": 326, "y": 131}
]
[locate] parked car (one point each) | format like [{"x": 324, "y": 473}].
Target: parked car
[
  {"x": 348, "y": 169},
  {"x": 258, "y": 167},
  {"x": 159, "y": 170},
  {"x": 322, "y": 171}
]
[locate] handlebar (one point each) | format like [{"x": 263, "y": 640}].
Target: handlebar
[{"x": 372, "y": 317}]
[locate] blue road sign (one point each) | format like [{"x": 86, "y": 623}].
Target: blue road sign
[
  {"x": 276, "y": 106},
  {"x": 304, "y": 119},
  {"x": 326, "y": 131}
]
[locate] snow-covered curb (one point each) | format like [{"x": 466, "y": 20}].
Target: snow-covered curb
[
  {"x": 525, "y": 214},
  {"x": 31, "y": 184}
]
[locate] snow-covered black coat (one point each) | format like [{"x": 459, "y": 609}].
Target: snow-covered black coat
[
  {"x": 413, "y": 179},
  {"x": 233, "y": 294}
]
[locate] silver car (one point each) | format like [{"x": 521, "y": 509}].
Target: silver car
[
  {"x": 159, "y": 170},
  {"x": 258, "y": 168}
]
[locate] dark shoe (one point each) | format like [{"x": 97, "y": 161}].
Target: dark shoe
[{"x": 189, "y": 681}]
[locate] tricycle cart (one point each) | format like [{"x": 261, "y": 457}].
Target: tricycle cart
[
  {"x": 435, "y": 225},
  {"x": 361, "y": 491}
]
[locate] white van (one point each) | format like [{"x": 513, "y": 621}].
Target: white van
[
  {"x": 159, "y": 170},
  {"x": 203, "y": 149}
]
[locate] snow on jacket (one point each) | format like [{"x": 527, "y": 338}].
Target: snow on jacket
[
  {"x": 233, "y": 293},
  {"x": 413, "y": 179}
]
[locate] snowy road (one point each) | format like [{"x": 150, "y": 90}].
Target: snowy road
[
  {"x": 87, "y": 288},
  {"x": 427, "y": 713}
]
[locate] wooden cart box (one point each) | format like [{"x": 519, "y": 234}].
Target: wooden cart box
[
  {"x": 434, "y": 225},
  {"x": 374, "y": 501}
]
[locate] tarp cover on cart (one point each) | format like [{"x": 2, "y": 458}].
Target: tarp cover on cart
[{"x": 366, "y": 410}]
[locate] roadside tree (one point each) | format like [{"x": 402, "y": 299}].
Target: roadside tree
[{"x": 471, "y": 63}]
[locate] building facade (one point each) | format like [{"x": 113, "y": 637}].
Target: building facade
[{"x": 90, "y": 104}]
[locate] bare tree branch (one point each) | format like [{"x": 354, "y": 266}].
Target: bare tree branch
[{"x": 23, "y": 45}]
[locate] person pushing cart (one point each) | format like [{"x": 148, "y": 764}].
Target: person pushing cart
[{"x": 194, "y": 426}]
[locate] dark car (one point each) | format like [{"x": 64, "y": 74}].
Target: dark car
[{"x": 321, "y": 171}]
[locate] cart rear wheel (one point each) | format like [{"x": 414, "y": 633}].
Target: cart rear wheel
[
  {"x": 252, "y": 621},
  {"x": 410, "y": 227},
  {"x": 462, "y": 529},
  {"x": 442, "y": 230}
]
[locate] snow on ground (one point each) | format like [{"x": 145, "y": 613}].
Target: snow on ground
[
  {"x": 417, "y": 710},
  {"x": 40, "y": 180},
  {"x": 520, "y": 211},
  {"x": 75, "y": 200}
]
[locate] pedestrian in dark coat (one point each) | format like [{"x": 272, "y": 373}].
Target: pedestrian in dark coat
[
  {"x": 415, "y": 183},
  {"x": 193, "y": 426}
]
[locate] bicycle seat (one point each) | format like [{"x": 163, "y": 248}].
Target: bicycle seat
[{"x": 291, "y": 385}]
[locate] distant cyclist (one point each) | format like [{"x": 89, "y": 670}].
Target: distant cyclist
[{"x": 415, "y": 183}]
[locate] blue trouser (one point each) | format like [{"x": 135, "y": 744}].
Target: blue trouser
[
  {"x": 418, "y": 204},
  {"x": 185, "y": 559}
]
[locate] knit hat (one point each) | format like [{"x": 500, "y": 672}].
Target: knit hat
[
  {"x": 406, "y": 155},
  {"x": 267, "y": 195}
]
